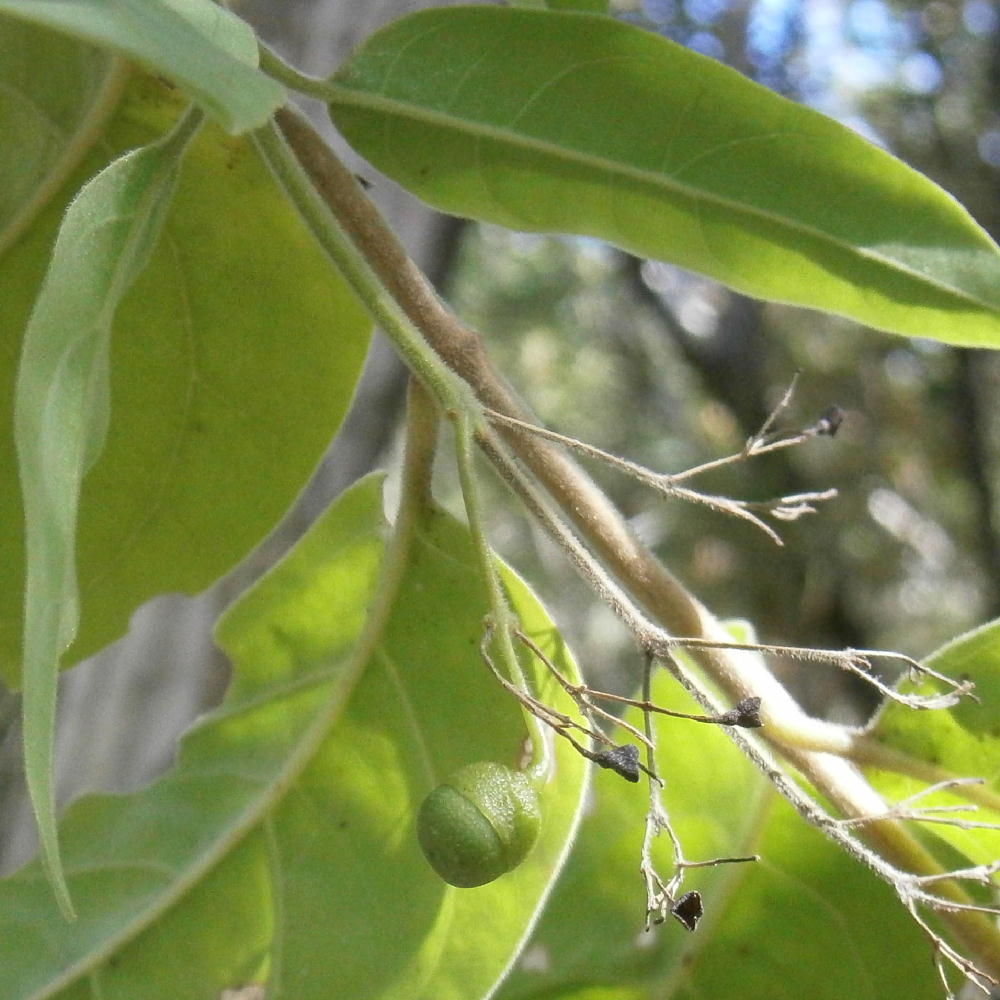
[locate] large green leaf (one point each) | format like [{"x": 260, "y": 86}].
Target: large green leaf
[
  {"x": 281, "y": 848},
  {"x": 55, "y": 94},
  {"x": 233, "y": 360},
  {"x": 799, "y": 923},
  {"x": 547, "y": 120},
  {"x": 808, "y": 921},
  {"x": 197, "y": 44},
  {"x": 960, "y": 742},
  {"x": 62, "y": 408}
]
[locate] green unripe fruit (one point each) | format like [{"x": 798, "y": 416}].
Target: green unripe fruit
[{"x": 478, "y": 824}]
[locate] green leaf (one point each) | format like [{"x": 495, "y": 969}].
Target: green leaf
[
  {"x": 215, "y": 424},
  {"x": 549, "y": 121},
  {"x": 55, "y": 97},
  {"x": 61, "y": 418},
  {"x": 233, "y": 361},
  {"x": 809, "y": 921},
  {"x": 197, "y": 44},
  {"x": 796, "y": 924},
  {"x": 282, "y": 849},
  {"x": 960, "y": 742}
]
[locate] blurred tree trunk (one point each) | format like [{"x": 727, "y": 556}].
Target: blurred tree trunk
[{"x": 122, "y": 711}]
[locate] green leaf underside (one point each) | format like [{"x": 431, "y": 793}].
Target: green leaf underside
[
  {"x": 196, "y": 44},
  {"x": 553, "y": 121},
  {"x": 282, "y": 850},
  {"x": 54, "y": 96},
  {"x": 797, "y": 924},
  {"x": 962, "y": 742},
  {"x": 233, "y": 360},
  {"x": 61, "y": 418}
]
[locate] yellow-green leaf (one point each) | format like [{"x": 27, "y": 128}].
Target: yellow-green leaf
[
  {"x": 955, "y": 743},
  {"x": 281, "y": 849},
  {"x": 554, "y": 121},
  {"x": 197, "y": 44},
  {"x": 55, "y": 95}
]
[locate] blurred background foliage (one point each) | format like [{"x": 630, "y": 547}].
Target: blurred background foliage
[{"x": 671, "y": 370}]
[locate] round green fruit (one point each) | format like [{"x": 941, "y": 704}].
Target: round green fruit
[{"x": 478, "y": 824}]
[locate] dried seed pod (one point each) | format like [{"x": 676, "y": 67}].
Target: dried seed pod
[{"x": 478, "y": 824}]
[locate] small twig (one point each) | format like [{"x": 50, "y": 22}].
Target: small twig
[
  {"x": 658, "y": 895},
  {"x": 580, "y": 693},
  {"x": 623, "y": 759},
  {"x": 785, "y": 508},
  {"x": 940, "y": 905},
  {"x": 746, "y": 713},
  {"x": 766, "y": 440},
  {"x": 941, "y": 786},
  {"x": 980, "y": 873},
  {"x": 614, "y": 756},
  {"x": 662, "y": 896},
  {"x": 854, "y": 661},
  {"x": 944, "y": 952},
  {"x": 929, "y": 814}
]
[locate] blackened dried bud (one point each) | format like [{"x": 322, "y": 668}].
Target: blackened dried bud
[
  {"x": 623, "y": 760},
  {"x": 829, "y": 421},
  {"x": 748, "y": 711},
  {"x": 745, "y": 714},
  {"x": 688, "y": 909}
]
